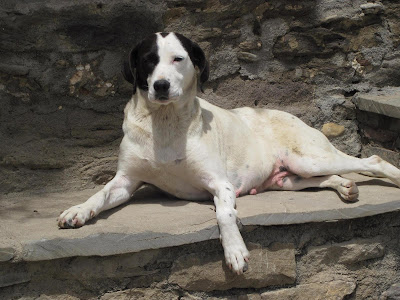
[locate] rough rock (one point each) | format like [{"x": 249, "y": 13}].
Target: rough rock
[
  {"x": 267, "y": 267},
  {"x": 247, "y": 56},
  {"x": 332, "y": 130},
  {"x": 14, "y": 278},
  {"x": 57, "y": 297},
  {"x": 347, "y": 253},
  {"x": 6, "y": 254},
  {"x": 141, "y": 293},
  {"x": 334, "y": 290},
  {"x": 391, "y": 156},
  {"x": 329, "y": 10},
  {"x": 393, "y": 293},
  {"x": 380, "y": 135},
  {"x": 372, "y": 7}
]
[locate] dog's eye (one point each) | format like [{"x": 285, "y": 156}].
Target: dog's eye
[{"x": 178, "y": 58}]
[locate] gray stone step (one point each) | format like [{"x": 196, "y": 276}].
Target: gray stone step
[
  {"x": 384, "y": 101},
  {"x": 28, "y": 230}
]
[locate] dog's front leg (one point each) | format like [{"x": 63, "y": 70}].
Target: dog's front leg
[
  {"x": 114, "y": 193},
  {"x": 236, "y": 253}
]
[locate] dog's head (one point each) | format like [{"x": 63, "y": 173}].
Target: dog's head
[{"x": 164, "y": 66}]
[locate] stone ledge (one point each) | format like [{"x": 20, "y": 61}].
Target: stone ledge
[
  {"x": 384, "y": 101},
  {"x": 28, "y": 230}
]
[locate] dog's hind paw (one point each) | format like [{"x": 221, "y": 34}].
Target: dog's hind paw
[
  {"x": 348, "y": 190},
  {"x": 74, "y": 217},
  {"x": 237, "y": 258}
]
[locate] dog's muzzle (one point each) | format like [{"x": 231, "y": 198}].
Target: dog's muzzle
[{"x": 161, "y": 87}]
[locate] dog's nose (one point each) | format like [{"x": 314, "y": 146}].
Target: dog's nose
[{"x": 161, "y": 87}]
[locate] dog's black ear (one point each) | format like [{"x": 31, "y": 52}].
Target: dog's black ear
[
  {"x": 201, "y": 62},
  {"x": 129, "y": 68},
  {"x": 197, "y": 56}
]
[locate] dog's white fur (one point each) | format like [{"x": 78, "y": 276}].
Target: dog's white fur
[
  {"x": 194, "y": 150},
  {"x": 179, "y": 74}
]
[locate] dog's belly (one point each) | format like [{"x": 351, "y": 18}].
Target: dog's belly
[{"x": 247, "y": 178}]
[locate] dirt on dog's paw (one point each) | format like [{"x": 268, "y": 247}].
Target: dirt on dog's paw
[{"x": 74, "y": 217}]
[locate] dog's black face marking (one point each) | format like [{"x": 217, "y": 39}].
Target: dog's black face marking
[
  {"x": 144, "y": 58},
  {"x": 142, "y": 61},
  {"x": 196, "y": 56}
]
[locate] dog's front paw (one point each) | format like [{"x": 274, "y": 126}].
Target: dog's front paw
[
  {"x": 237, "y": 257},
  {"x": 75, "y": 217}
]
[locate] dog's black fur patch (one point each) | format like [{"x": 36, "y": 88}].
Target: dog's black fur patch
[
  {"x": 197, "y": 57},
  {"x": 141, "y": 62}
]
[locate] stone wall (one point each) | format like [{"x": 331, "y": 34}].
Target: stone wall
[
  {"x": 350, "y": 259},
  {"x": 62, "y": 94}
]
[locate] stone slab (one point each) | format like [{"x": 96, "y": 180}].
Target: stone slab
[
  {"x": 384, "y": 101},
  {"x": 151, "y": 220},
  {"x": 6, "y": 253},
  {"x": 335, "y": 290},
  {"x": 272, "y": 266},
  {"x": 348, "y": 253},
  {"x": 14, "y": 278}
]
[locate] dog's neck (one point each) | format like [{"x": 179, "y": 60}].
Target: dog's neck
[
  {"x": 160, "y": 132},
  {"x": 163, "y": 129}
]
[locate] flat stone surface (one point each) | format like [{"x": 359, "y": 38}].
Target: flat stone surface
[
  {"x": 151, "y": 220},
  {"x": 385, "y": 101}
]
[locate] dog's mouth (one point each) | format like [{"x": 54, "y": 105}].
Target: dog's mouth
[
  {"x": 165, "y": 98},
  {"x": 162, "y": 97}
]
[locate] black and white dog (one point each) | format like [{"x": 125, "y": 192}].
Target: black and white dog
[{"x": 193, "y": 149}]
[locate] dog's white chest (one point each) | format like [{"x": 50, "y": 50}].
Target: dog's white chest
[
  {"x": 174, "y": 178},
  {"x": 158, "y": 156}
]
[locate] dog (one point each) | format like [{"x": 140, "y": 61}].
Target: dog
[{"x": 194, "y": 150}]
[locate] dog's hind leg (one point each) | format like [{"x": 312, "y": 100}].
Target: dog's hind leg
[
  {"x": 114, "y": 193},
  {"x": 337, "y": 163},
  {"x": 347, "y": 188}
]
